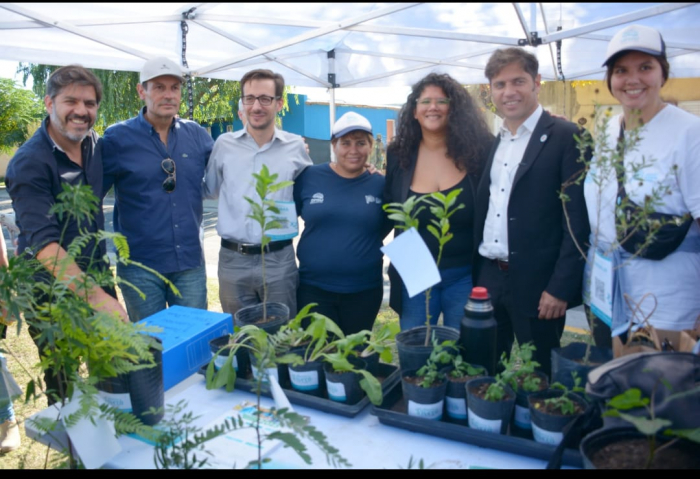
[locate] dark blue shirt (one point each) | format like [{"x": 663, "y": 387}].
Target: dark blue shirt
[
  {"x": 162, "y": 229},
  {"x": 35, "y": 177},
  {"x": 344, "y": 226}
]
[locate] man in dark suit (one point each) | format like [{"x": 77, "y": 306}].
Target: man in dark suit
[{"x": 527, "y": 258}]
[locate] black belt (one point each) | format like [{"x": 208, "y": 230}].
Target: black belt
[
  {"x": 502, "y": 265},
  {"x": 247, "y": 248}
]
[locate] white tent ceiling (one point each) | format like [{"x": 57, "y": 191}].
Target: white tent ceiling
[{"x": 375, "y": 44}]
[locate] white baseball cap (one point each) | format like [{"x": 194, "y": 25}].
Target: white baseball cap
[
  {"x": 350, "y": 121},
  {"x": 160, "y": 66},
  {"x": 638, "y": 38}
]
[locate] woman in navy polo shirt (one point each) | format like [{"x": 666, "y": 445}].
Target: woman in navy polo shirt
[{"x": 340, "y": 263}]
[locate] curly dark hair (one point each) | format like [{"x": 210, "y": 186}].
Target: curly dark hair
[{"x": 468, "y": 137}]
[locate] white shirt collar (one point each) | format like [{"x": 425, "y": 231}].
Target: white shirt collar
[{"x": 528, "y": 125}]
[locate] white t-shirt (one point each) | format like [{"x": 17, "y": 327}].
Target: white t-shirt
[{"x": 671, "y": 138}]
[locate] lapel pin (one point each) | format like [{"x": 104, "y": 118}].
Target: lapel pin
[{"x": 543, "y": 138}]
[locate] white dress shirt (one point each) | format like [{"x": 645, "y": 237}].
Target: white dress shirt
[
  {"x": 229, "y": 177},
  {"x": 506, "y": 160}
]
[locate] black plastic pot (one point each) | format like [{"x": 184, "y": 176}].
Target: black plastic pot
[
  {"x": 280, "y": 372},
  {"x": 491, "y": 416},
  {"x": 600, "y": 438},
  {"x": 241, "y": 360},
  {"x": 522, "y": 424},
  {"x": 279, "y": 312},
  {"x": 146, "y": 389},
  {"x": 308, "y": 378},
  {"x": 568, "y": 359},
  {"x": 456, "y": 401},
  {"x": 344, "y": 386},
  {"x": 548, "y": 428},
  {"x": 115, "y": 391},
  {"x": 410, "y": 345},
  {"x": 427, "y": 403}
]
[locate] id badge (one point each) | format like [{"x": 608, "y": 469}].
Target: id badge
[
  {"x": 287, "y": 218},
  {"x": 601, "y": 287}
]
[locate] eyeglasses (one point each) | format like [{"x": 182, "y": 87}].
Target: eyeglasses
[
  {"x": 263, "y": 99},
  {"x": 168, "y": 166},
  {"x": 428, "y": 101}
]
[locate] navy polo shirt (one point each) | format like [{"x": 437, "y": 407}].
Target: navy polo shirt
[
  {"x": 34, "y": 179},
  {"x": 162, "y": 229}
]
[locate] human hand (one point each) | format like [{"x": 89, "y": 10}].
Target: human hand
[
  {"x": 551, "y": 307},
  {"x": 102, "y": 302},
  {"x": 372, "y": 169}
]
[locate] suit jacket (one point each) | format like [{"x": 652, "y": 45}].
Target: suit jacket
[{"x": 542, "y": 255}]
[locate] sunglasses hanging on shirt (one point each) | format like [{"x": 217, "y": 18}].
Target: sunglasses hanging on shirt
[{"x": 168, "y": 166}]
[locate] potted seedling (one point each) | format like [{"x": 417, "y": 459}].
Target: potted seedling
[
  {"x": 269, "y": 316},
  {"x": 490, "y": 400},
  {"x": 526, "y": 381},
  {"x": 414, "y": 345},
  {"x": 379, "y": 346},
  {"x": 347, "y": 379},
  {"x": 424, "y": 389},
  {"x": 459, "y": 374},
  {"x": 648, "y": 443},
  {"x": 553, "y": 409}
]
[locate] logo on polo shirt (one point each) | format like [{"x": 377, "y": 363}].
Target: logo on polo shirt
[
  {"x": 369, "y": 199},
  {"x": 316, "y": 198}
]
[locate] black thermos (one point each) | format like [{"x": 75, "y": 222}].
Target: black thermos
[{"x": 478, "y": 331}]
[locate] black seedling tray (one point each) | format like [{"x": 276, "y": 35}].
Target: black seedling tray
[
  {"x": 393, "y": 413},
  {"x": 387, "y": 375}
]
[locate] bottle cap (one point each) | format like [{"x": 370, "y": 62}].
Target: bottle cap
[{"x": 479, "y": 292}]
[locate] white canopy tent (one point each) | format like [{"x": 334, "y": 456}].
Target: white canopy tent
[{"x": 339, "y": 45}]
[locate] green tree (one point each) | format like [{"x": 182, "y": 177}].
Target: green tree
[
  {"x": 19, "y": 108},
  {"x": 214, "y": 100}
]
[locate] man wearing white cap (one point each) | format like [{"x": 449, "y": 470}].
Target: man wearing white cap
[
  {"x": 229, "y": 177},
  {"x": 156, "y": 163}
]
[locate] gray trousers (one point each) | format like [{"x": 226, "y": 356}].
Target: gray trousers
[{"x": 241, "y": 283}]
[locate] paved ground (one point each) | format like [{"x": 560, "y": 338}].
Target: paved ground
[{"x": 575, "y": 318}]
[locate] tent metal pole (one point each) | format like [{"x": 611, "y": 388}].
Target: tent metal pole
[{"x": 331, "y": 103}]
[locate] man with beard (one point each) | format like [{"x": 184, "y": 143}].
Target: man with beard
[
  {"x": 156, "y": 163},
  {"x": 236, "y": 156},
  {"x": 61, "y": 152}
]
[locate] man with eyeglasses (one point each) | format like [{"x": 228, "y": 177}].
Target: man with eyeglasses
[
  {"x": 156, "y": 163},
  {"x": 229, "y": 177}
]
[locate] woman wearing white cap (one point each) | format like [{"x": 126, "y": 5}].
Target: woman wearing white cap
[
  {"x": 441, "y": 144},
  {"x": 665, "y": 164},
  {"x": 340, "y": 263}
]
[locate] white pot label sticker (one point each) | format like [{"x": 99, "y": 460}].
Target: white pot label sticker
[
  {"x": 336, "y": 391},
  {"x": 546, "y": 437},
  {"x": 121, "y": 401},
  {"x": 522, "y": 417},
  {"x": 268, "y": 372},
  {"x": 457, "y": 408},
  {"x": 427, "y": 411},
  {"x": 220, "y": 360},
  {"x": 304, "y": 380},
  {"x": 489, "y": 425}
]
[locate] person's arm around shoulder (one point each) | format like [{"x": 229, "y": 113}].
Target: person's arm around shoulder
[
  {"x": 214, "y": 174},
  {"x": 106, "y": 149},
  {"x": 60, "y": 264}
]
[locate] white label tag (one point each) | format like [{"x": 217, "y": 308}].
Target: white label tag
[
  {"x": 304, "y": 380},
  {"x": 336, "y": 391},
  {"x": 457, "y": 407},
  {"x": 121, "y": 401},
  {"x": 522, "y": 417},
  {"x": 601, "y": 287},
  {"x": 546, "y": 437},
  {"x": 489, "y": 425},
  {"x": 426, "y": 411},
  {"x": 287, "y": 218}
]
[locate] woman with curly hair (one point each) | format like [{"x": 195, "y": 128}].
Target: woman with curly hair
[{"x": 441, "y": 144}]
